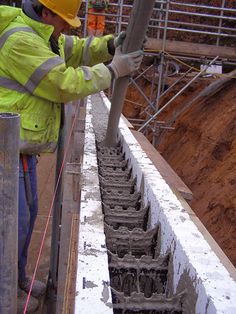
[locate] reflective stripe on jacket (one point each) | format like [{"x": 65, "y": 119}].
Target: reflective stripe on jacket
[{"x": 34, "y": 81}]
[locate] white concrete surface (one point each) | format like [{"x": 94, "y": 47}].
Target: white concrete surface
[{"x": 92, "y": 283}]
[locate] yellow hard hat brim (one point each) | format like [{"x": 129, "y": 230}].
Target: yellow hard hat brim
[
  {"x": 67, "y": 10},
  {"x": 73, "y": 22}
]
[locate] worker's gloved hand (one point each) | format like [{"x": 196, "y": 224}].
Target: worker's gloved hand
[
  {"x": 124, "y": 64},
  {"x": 118, "y": 40},
  {"x": 114, "y": 42}
]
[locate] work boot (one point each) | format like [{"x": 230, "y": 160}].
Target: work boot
[
  {"x": 38, "y": 289},
  {"x": 21, "y": 301}
]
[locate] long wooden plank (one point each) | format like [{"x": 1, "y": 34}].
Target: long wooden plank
[
  {"x": 69, "y": 291},
  {"x": 192, "y": 49},
  {"x": 65, "y": 265},
  {"x": 170, "y": 176},
  {"x": 70, "y": 222}
]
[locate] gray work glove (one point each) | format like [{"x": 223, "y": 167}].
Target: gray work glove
[
  {"x": 124, "y": 64},
  {"x": 118, "y": 40},
  {"x": 114, "y": 42}
]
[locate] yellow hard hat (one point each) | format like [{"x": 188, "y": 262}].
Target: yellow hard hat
[{"x": 67, "y": 10}]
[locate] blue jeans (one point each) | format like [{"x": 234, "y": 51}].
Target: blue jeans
[{"x": 26, "y": 215}]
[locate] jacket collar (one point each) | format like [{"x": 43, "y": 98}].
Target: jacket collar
[{"x": 45, "y": 31}]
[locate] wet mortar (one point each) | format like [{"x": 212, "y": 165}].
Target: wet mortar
[{"x": 139, "y": 278}]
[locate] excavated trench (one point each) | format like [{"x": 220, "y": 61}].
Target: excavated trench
[{"x": 139, "y": 277}]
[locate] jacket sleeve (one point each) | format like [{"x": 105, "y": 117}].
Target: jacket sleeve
[
  {"x": 46, "y": 75},
  {"x": 86, "y": 51}
]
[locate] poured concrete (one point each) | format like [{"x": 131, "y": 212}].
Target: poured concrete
[{"x": 196, "y": 267}]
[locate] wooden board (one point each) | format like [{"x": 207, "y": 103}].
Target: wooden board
[
  {"x": 67, "y": 262},
  {"x": 192, "y": 49}
]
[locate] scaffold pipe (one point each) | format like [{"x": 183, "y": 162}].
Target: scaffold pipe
[
  {"x": 9, "y": 182},
  {"x": 135, "y": 34}
]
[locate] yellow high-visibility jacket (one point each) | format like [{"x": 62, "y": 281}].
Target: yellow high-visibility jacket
[{"x": 34, "y": 81}]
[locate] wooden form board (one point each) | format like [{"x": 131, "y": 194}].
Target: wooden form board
[
  {"x": 192, "y": 49},
  {"x": 67, "y": 263},
  {"x": 170, "y": 176}
]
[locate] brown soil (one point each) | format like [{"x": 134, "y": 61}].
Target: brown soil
[{"x": 202, "y": 151}]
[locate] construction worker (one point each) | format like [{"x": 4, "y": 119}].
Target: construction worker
[
  {"x": 96, "y": 17},
  {"x": 40, "y": 68}
]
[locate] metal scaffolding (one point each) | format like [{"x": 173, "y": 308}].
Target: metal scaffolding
[
  {"x": 185, "y": 39},
  {"x": 167, "y": 16}
]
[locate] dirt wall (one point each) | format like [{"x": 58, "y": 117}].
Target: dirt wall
[{"x": 202, "y": 150}]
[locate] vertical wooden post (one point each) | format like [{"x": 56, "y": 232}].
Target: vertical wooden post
[
  {"x": 56, "y": 217},
  {"x": 135, "y": 34},
  {"x": 9, "y": 184},
  {"x": 67, "y": 111}
]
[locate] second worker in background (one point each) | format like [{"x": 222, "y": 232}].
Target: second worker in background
[{"x": 96, "y": 17}]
